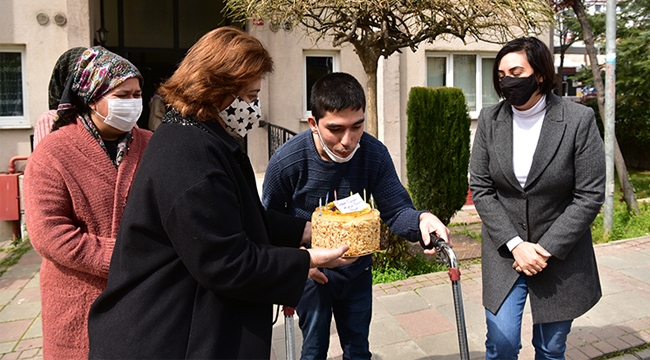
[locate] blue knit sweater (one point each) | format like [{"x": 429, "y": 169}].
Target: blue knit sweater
[{"x": 297, "y": 178}]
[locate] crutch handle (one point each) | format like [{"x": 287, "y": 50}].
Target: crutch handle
[{"x": 435, "y": 242}]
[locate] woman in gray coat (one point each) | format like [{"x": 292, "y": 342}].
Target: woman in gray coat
[{"x": 538, "y": 181}]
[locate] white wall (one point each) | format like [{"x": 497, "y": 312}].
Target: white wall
[{"x": 282, "y": 91}]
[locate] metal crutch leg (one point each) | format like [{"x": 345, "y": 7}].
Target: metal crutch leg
[
  {"x": 447, "y": 255},
  {"x": 289, "y": 333}
]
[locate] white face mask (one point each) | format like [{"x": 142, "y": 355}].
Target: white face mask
[
  {"x": 240, "y": 116},
  {"x": 332, "y": 155},
  {"x": 122, "y": 113}
]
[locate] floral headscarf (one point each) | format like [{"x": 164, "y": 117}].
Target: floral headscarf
[
  {"x": 97, "y": 72},
  {"x": 63, "y": 69}
]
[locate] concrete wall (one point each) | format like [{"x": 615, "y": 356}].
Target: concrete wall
[
  {"x": 42, "y": 44},
  {"x": 282, "y": 91}
]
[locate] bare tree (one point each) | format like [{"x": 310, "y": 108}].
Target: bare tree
[
  {"x": 382, "y": 27},
  {"x": 566, "y": 25},
  {"x": 578, "y": 7}
]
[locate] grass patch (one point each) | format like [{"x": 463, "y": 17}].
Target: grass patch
[
  {"x": 626, "y": 225},
  {"x": 397, "y": 261},
  {"x": 415, "y": 265},
  {"x": 640, "y": 182},
  {"x": 15, "y": 251},
  {"x": 465, "y": 231}
]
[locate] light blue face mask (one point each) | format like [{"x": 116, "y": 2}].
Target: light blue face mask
[{"x": 332, "y": 155}]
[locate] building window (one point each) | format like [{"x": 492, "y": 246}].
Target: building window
[
  {"x": 13, "y": 110},
  {"x": 470, "y": 72},
  {"x": 317, "y": 64}
]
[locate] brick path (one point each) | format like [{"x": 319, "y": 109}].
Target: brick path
[{"x": 413, "y": 318}]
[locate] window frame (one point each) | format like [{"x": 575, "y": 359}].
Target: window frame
[
  {"x": 336, "y": 61},
  {"x": 18, "y": 122},
  {"x": 449, "y": 73}
]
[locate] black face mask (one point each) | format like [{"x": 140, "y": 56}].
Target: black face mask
[{"x": 518, "y": 91}]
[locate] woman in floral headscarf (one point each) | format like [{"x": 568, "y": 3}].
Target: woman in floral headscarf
[{"x": 76, "y": 185}]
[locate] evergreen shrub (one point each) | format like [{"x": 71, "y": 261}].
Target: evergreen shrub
[{"x": 437, "y": 149}]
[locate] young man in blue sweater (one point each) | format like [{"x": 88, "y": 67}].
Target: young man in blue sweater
[{"x": 337, "y": 155}]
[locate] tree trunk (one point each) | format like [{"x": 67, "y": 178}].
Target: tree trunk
[
  {"x": 619, "y": 161},
  {"x": 369, "y": 58},
  {"x": 560, "y": 71},
  {"x": 371, "y": 103}
]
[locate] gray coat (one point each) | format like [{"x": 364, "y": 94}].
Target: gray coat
[{"x": 563, "y": 193}]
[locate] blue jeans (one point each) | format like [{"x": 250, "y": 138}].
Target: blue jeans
[
  {"x": 350, "y": 300},
  {"x": 504, "y": 329}
]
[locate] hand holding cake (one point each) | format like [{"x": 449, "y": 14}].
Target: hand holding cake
[{"x": 328, "y": 258}]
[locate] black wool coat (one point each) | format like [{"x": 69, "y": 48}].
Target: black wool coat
[
  {"x": 564, "y": 191},
  {"x": 193, "y": 274}
]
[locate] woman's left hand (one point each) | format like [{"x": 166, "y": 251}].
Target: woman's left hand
[{"x": 530, "y": 258}]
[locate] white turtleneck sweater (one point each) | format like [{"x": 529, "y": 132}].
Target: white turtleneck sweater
[{"x": 526, "y": 127}]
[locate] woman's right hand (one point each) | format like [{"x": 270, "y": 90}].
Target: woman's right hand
[{"x": 329, "y": 258}]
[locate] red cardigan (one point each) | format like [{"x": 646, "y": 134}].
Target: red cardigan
[{"x": 74, "y": 200}]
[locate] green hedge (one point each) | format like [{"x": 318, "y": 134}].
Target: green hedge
[{"x": 437, "y": 149}]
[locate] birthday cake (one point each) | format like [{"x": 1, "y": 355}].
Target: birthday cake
[{"x": 359, "y": 229}]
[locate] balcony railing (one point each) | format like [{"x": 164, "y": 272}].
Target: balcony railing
[{"x": 277, "y": 136}]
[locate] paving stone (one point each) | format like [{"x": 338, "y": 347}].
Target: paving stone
[
  {"x": 35, "y": 329},
  {"x": 632, "y": 340},
  {"x": 575, "y": 354},
  {"x": 424, "y": 323},
  {"x": 403, "y": 350},
  {"x": 27, "y": 354},
  {"x": 644, "y": 354},
  {"x": 12, "y": 283},
  {"x": 591, "y": 351},
  {"x": 7, "y": 347},
  {"x": 613, "y": 262},
  {"x": 335, "y": 350},
  {"x": 27, "y": 295},
  {"x": 403, "y": 303},
  {"x": 30, "y": 344},
  {"x": 610, "y": 287},
  {"x": 7, "y": 295},
  {"x": 604, "y": 346},
  {"x": 608, "y": 332},
  {"x": 25, "y": 271},
  {"x": 445, "y": 346},
  {"x": 437, "y": 295},
  {"x": 27, "y": 310},
  {"x": 11, "y": 356},
  {"x": 14, "y": 330},
  {"x": 33, "y": 282},
  {"x": 625, "y": 357},
  {"x": 386, "y": 331},
  {"x": 379, "y": 311},
  {"x": 639, "y": 273}
]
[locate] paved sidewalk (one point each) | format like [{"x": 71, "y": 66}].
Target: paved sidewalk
[{"x": 412, "y": 319}]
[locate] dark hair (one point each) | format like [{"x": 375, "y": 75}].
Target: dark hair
[
  {"x": 539, "y": 57},
  {"x": 335, "y": 92},
  {"x": 221, "y": 63}
]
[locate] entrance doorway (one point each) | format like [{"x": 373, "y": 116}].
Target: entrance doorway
[{"x": 155, "y": 35}]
